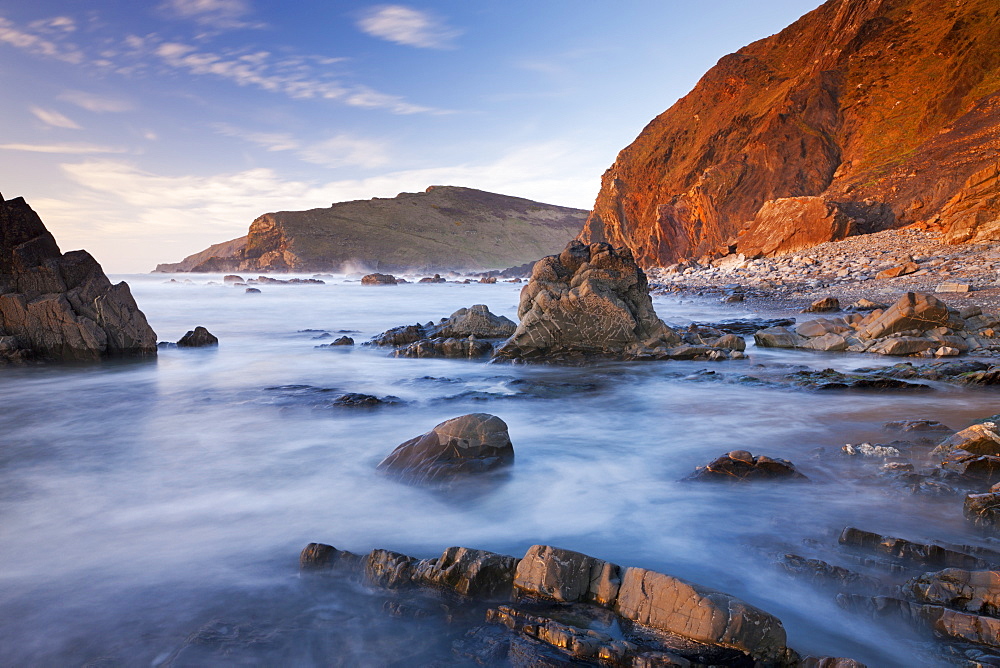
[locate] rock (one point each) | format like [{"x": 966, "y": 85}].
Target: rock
[
  {"x": 903, "y": 345},
  {"x": 343, "y": 341},
  {"x": 488, "y": 280},
  {"x": 777, "y": 337},
  {"x": 252, "y": 291},
  {"x": 378, "y": 279},
  {"x": 975, "y": 467},
  {"x": 740, "y": 465},
  {"x": 476, "y": 573},
  {"x": 916, "y": 426},
  {"x": 675, "y": 606},
  {"x": 977, "y": 592},
  {"x": 440, "y": 347},
  {"x": 432, "y": 279},
  {"x": 355, "y": 400},
  {"x": 322, "y": 557},
  {"x": 401, "y": 336},
  {"x": 899, "y": 270},
  {"x": 61, "y": 306},
  {"x": 586, "y": 301},
  {"x": 983, "y": 509},
  {"x": 952, "y": 286},
  {"x": 919, "y": 553},
  {"x": 232, "y": 279},
  {"x": 865, "y": 305},
  {"x": 567, "y": 576},
  {"x": 945, "y": 351},
  {"x": 869, "y": 450},
  {"x": 474, "y": 321},
  {"x": 912, "y": 311},
  {"x": 199, "y": 337},
  {"x": 470, "y": 444},
  {"x": 827, "y": 343},
  {"x": 823, "y": 305},
  {"x": 979, "y": 439}
]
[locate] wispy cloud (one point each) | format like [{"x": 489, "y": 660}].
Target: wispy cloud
[
  {"x": 342, "y": 150},
  {"x": 35, "y": 41},
  {"x": 68, "y": 149},
  {"x": 217, "y": 14},
  {"x": 296, "y": 76},
  {"x": 408, "y": 26},
  {"x": 96, "y": 103},
  {"x": 53, "y": 118}
]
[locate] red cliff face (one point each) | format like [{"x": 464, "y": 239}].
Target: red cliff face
[{"x": 885, "y": 109}]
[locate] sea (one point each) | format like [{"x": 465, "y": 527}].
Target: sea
[{"x": 152, "y": 512}]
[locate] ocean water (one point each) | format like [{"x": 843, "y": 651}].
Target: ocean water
[{"x": 152, "y": 513}]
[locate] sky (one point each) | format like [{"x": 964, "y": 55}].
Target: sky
[{"x": 144, "y": 132}]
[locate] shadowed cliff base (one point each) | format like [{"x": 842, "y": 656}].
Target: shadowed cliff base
[{"x": 445, "y": 227}]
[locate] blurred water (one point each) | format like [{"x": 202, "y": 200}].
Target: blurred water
[{"x": 141, "y": 501}]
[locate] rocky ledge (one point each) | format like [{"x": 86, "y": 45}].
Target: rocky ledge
[
  {"x": 556, "y": 607},
  {"x": 60, "y": 306}
]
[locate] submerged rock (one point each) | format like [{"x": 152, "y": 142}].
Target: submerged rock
[
  {"x": 60, "y": 306},
  {"x": 983, "y": 509},
  {"x": 740, "y": 465},
  {"x": 470, "y": 444},
  {"x": 587, "y": 301},
  {"x": 465, "y": 333},
  {"x": 199, "y": 337}
]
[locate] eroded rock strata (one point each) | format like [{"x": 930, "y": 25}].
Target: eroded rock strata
[
  {"x": 862, "y": 115},
  {"x": 60, "y": 306},
  {"x": 546, "y": 609}
]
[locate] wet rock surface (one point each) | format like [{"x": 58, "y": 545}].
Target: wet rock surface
[
  {"x": 199, "y": 337},
  {"x": 740, "y": 465},
  {"x": 60, "y": 306},
  {"x": 587, "y": 301},
  {"x": 466, "y": 333},
  {"x": 470, "y": 444},
  {"x": 378, "y": 279},
  {"x": 559, "y": 607}
]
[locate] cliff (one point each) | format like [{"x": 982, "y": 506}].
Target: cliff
[
  {"x": 886, "y": 111},
  {"x": 57, "y": 305},
  {"x": 445, "y": 227}
]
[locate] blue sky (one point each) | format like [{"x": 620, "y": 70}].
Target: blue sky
[{"x": 145, "y": 132}]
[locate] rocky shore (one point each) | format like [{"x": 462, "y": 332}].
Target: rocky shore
[{"x": 880, "y": 267}]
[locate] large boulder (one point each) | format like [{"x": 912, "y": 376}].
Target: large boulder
[
  {"x": 567, "y": 576},
  {"x": 61, "y": 306},
  {"x": 199, "y": 337},
  {"x": 969, "y": 591},
  {"x": 979, "y": 439},
  {"x": 474, "y": 443},
  {"x": 590, "y": 300},
  {"x": 913, "y": 310}
]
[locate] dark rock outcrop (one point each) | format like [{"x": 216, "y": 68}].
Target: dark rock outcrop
[
  {"x": 445, "y": 227},
  {"x": 836, "y": 125},
  {"x": 470, "y": 444},
  {"x": 587, "y": 301},
  {"x": 199, "y": 337},
  {"x": 60, "y": 306},
  {"x": 740, "y": 465},
  {"x": 466, "y": 333},
  {"x": 378, "y": 279}
]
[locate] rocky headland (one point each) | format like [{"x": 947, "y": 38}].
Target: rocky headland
[
  {"x": 445, "y": 227},
  {"x": 60, "y": 306},
  {"x": 862, "y": 116}
]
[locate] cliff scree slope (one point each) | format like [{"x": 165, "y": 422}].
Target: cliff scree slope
[
  {"x": 445, "y": 227},
  {"x": 862, "y": 115}
]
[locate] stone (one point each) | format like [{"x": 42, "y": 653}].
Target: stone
[
  {"x": 977, "y": 592},
  {"x": 869, "y": 450},
  {"x": 676, "y": 606},
  {"x": 983, "y": 509},
  {"x": 460, "y": 335},
  {"x": 199, "y": 337},
  {"x": 740, "y": 465},
  {"x": 587, "y": 301},
  {"x": 436, "y": 278},
  {"x": 825, "y": 304},
  {"x": 827, "y": 342},
  {"x": 978, "y": 439},
  {"x": 975, "y": 467},
  {"x": 474, "y": 321},
  {"x": 489, "y": 280},
  {"x": 566, "y": 576},
  {"x": 232, "y": 279},
  {"x": 319, "y": 557},
  {"x": 913, "y": 311},
  {"x": 343, "y": 341},
  {"x": 819, "y": 327},
  {"x": 946, "y": 351},
  {"x": 916, "y": 426},
  {"x": 777, "y": 337},
  {"x": 470, "y": 444},
  {"x": 61, "y": 306},
  {"x": 865, "y": 305},
  {"x": 899, "y": 548},
  {"x": 903, "y": 345},
  {"x": 953, "y": 286},
  {"x": 440, "y": 347},
  {"x": 475, "y": 573},
  {"x": 252, "y": 291},
  {"x": 378, "y": 279},
  {"x": 358, "y": 400},
  {"x": 898, "y": 270}
]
